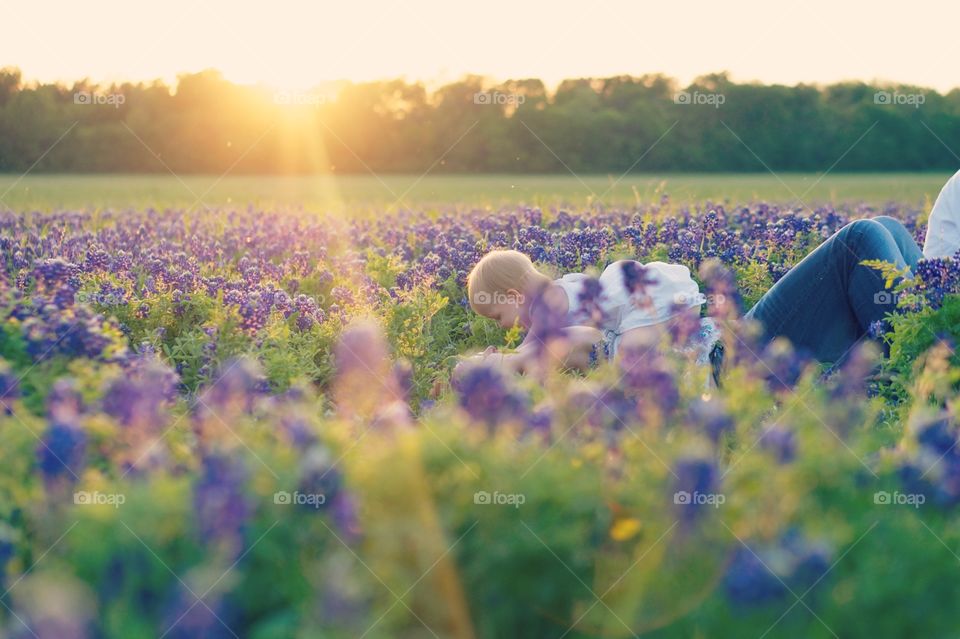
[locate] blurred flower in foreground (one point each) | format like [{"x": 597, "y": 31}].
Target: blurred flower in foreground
[
  {"x": 9, "y": 387},
  {"x": 720, "y": 283},
  {"x": 934, "y": 469},
  {"x": 236, "y": 387},
  {"x": 711, "y": 417},
  {"x": 647, "y": 374},
  {"x": 540, "y": 421},
  {"x": 547, "y": 318},
  {"x": 8, "y": 549},
  {"x": 52, "y": 605},
  {"x": 850, "y": 381},
  {"x": 366, "y": 385},
  {"x": 138, "y": 398},
  {"x": 781, "y": 442},
  {"x": 485, "y": 394},
  {"x": 761, "y": 574},
  {"x": 194, "y": 612},
  {"x": 62, "y": 450},
  {"x": 64, "y": 403},
  {"x": 319, "y": 476},
  {"x": 590, "y": 302},
  {"x": 344, "y": 600},
  {"x": 781, "y": 365},
  {"x": 636, "y": 278},
  {"x": 696, "y": 488},
  {"x": 220, "y": 504}
]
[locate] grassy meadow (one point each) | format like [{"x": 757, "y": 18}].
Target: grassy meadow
[{"x": 391, "y": 192}]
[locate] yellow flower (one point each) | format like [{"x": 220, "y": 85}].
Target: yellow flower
[{"x": 624, "y": 529}]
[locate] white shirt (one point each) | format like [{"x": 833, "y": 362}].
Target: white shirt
[
  {"x": 670, "y": 289},
  {"x": 943, "y": 227}
]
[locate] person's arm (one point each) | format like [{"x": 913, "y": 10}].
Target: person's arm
[{"x": 569, "y": 352}]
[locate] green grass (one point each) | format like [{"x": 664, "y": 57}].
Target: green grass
[{"x": 387, "y": 192}]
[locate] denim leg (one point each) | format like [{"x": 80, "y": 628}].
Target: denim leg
[
  {"x": 908, "y": 246},
  {"x": 827, "y": 302}
]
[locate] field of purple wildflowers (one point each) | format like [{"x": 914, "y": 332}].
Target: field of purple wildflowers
[{"x": 242, "y": 423}]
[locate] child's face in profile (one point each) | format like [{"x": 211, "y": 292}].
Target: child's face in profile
[{"x": 508, "y": 310}]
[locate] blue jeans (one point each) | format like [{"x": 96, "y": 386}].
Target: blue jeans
[{"x": 827, "y": 302}]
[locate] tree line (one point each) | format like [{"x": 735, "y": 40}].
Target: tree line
[{"x": 593, "y": 125}]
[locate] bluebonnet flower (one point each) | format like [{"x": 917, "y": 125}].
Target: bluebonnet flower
[
  {"x": 186, "y": 618},
  {"x": 850, "y": 380},
  {"x": 938, "y": 277},
  {"x": 646, "y": 373},
  {"x": 547, "y": 318},
  {"x": 361, "y": 349},
  {"x": 238, "y": 383},
  {"x": 540, "y": 421},
  {"x": 685, "y": 325},
  {"x": 723, "y": 295},
  {"x": 64, "y": 402},
  {"x": 636, "y": 279},
  {"x": 139, "y": 397},
  {"x": 781, "y": 442},
  {"x": 220, "y": 504},
  {"x": 878, "y": 329},
  {"x": 590, "y": 303},
  {"x": 782, "y": 365},
  {"x": 695, "y": 488},
  {"x": 711, "y": 417},
  {"x": 485, "y": 394},
  {"x": 764, "y": 573},
  {"x": 9, "y": 386},
  {"x": 319, "y": 476},
  {"x": 61, "y": 453},
  {"x": 403, "y": 374},
  {"x": 54, "y": 271},
  {"x": 935, "y": 470},
  {"x": 298, "y": 430}
]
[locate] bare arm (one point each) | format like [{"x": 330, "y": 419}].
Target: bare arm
[{"x": 571, "y": 351}]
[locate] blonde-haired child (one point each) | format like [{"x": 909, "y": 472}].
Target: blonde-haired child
[{"x": 629, "y": 302}]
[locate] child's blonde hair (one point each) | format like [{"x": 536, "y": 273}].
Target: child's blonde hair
[{"x": 496, "y": 273}]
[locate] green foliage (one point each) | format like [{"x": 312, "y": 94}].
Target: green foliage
[
  {"x": 913, "y": 334},
  {"x": 597, "y": 125}
]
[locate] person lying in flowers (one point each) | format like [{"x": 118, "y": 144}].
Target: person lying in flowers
[{"x": 824, "y": 305}]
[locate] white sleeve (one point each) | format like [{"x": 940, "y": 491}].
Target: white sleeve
[{"x": 943, "y": 227}]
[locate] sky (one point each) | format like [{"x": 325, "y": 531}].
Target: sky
[{"x": 301, "y": 44}]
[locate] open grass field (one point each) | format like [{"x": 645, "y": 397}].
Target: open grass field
[{"x": 390, "y": 192}]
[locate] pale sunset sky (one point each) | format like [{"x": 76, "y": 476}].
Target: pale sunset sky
[{"x": 300, "y": 44}]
